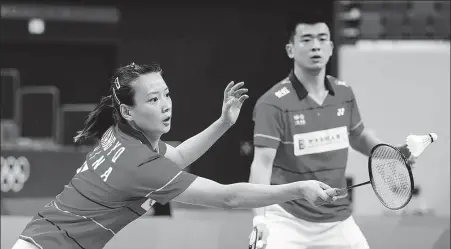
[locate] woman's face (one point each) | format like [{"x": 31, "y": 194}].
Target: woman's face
[{"x": 153, "y": 105}]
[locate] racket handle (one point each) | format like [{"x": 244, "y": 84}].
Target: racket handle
[{"x": 357, "y": 185}]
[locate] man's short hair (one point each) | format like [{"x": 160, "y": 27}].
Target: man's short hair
[{"x": 305, "y": 17}]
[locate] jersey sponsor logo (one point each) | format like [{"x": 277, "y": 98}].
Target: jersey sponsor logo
[
  {"x": 15, "y": 172},
  {"x": 299, "y": 119},
  {"x": 282, "y": 92},
  {"x": 321, "y": 141},
  {"x": 341, "y": 111}
]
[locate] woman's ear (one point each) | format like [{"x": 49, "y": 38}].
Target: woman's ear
[{"x": 125, "y": 112}]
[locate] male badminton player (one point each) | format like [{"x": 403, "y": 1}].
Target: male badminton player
[
  {"x": 304, "y": 126},
  {"x": 131, "y": 168}
]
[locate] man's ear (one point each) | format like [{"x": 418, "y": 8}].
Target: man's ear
[
  {"x": 331, "y": 48},
  {"x": 289, "y": 50}
]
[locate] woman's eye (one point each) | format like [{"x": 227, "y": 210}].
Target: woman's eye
[{"x": 153, "y": 100}]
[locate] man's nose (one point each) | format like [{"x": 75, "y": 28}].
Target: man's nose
[{"x": 316, "y": 45}]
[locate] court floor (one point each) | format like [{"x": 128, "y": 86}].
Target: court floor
[{"x": 217, "y": 229}]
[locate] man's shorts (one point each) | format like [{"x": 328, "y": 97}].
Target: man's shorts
[{"x": 289, "y": 232}]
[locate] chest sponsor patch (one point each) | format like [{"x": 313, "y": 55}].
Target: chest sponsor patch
[{"x": 321, "y": 141}]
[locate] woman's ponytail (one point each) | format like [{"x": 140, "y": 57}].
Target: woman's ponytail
[{"x": 98, "y": 121}]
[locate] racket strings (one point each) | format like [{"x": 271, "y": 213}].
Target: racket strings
[{"x": 391, "y": 177}]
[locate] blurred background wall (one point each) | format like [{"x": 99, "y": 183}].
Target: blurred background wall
[{"x": 57, "y": 57}]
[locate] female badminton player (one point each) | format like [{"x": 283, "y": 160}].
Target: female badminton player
[{"x": 131, "y": 168}]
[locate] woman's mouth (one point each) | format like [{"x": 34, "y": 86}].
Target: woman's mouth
[{"x": 167, "y": 121}]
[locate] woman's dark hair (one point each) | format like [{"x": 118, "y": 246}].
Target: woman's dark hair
[{"x": 107, "y": 112}]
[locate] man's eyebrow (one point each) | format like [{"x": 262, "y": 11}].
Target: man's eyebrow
[{"x": 310, "y": 35}]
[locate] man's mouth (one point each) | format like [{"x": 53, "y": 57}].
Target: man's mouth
[
  {"x": 167, "y": 119},
  {"x": 315, "y": 57}
]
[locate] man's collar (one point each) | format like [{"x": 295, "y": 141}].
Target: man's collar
[{"x": 300, "y": 89}]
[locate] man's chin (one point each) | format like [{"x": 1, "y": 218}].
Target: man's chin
[{"x": 316, "y": 67}]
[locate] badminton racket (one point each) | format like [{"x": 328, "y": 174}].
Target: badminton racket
[{"x": 390, "y": 173}]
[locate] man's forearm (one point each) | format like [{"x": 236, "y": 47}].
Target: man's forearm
[
  {"x": 196, "y": 146},
  {"x": 365, "y": 142}
]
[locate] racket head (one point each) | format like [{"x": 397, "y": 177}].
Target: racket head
[{"x": 390, "y": 176}]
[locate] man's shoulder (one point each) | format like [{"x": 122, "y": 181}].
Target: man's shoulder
[
  {"x": 278, "y": 94},
  {"x": 341, "y": 88}
]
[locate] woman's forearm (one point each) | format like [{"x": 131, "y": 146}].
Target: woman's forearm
[
  {"x": 245, "y": 195},
  {"x": 194, "y": 147}
]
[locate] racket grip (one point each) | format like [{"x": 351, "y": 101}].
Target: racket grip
[{"x": 357, "y": 185}]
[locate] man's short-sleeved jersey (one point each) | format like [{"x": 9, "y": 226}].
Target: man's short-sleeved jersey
[
  {"x": 119, "y": 182},
  {"x": 312, "y": 139}
]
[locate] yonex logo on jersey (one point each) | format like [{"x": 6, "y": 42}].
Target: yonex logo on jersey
[
  {"x": 340, "y": 111},
  {"x": 282, "y": 92},
  {"x": 299, "y": 119},
  {"x": 321, "y": 141}
]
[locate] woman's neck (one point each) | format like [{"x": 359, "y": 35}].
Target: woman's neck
[{"x": 153, "y": 139}]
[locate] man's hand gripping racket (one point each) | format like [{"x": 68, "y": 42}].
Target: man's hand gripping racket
[{"x": 390, "y": 170}]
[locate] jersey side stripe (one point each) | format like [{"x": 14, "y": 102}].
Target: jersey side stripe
[
  {"x": 357, "y": 125},
  {"x": 267, "y": 136},
  {"x": 274, "y": 138},
  {"x": 85, "y": 218}
]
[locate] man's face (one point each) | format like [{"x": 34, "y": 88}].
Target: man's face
[{"x": 311, "y": 47}]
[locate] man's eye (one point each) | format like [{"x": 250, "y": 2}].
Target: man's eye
[{"x": 153, "y": 100}]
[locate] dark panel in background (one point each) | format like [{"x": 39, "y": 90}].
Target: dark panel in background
[
  {"x": 80, "y": 71},
  {"x": 38, "y": 111},
  {"x": 8, "y": 92},
  {"x": 200, "y": 48}
]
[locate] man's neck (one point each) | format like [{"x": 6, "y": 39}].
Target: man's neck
[{"x": 313, "y": 81}]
